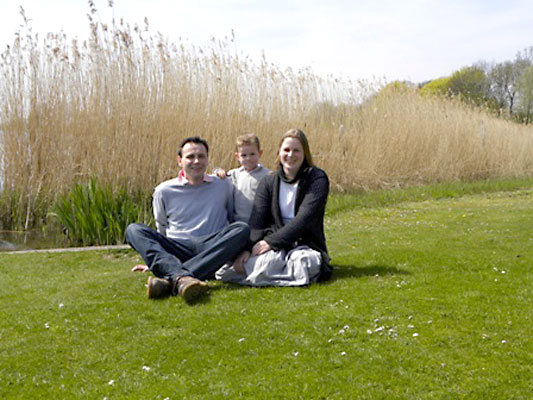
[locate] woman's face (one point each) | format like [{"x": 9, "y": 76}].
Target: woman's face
[{"x": 291, "y": 156}]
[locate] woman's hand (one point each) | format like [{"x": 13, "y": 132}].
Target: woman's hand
[
  {"x": 140, "y": 268},
  {"x": 260, "y": 248},
  {"x": 239, "y": 262}
]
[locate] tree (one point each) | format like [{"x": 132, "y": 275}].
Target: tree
[
  {"x": 436, "y": 86},
  {"x": 504, "y": 79},
  {"x": 525, "y": 55},
  {"x": 525, "y": 94},
  {"x": 504, "y": 83},
  {"x": 470, "y": 83}
]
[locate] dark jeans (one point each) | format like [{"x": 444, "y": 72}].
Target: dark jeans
[{"x": 200, "y": 256}]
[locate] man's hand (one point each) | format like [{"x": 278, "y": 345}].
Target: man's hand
[
  {"x": 260, "y": 248},
  {"x": 238, "y": 264},
  {"x": 140, "y": 267}
]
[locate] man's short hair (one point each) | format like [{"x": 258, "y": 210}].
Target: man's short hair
[{"x": 193, "y": 139}]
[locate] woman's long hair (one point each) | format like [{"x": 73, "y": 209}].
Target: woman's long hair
[{"x": 300, "y": 136}]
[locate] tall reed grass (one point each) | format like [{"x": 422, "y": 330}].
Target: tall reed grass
[{"x": 115, "y": 107}]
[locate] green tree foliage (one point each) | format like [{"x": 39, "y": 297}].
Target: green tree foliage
[
  {"x": 503, "y": 84},
  {"x": 398, "y": 86},
  {"x": 395, "y": 87},
  {"x": 504, "y": 87},
  {"x": 504, "y": 81},
  {"x": 438, "y": 86},
  {"x": 525, "y": 97},
  {"x": 471, "y": 84}
]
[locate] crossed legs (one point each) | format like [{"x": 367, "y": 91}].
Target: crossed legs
[{"x": 197, "y": 257}]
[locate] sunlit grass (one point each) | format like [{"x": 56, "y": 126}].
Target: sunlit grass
[
  {"x": 388, "y": 197},
  {"x": 430, "y": 299}
]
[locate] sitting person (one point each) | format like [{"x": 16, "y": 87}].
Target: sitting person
[
  {"x": 193, "y": 238},
  {"x": 287, "y": 223},
  {"x": 246, "y": 178}
]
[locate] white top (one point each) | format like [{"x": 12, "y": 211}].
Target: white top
[{"x": 287, "y": 200}]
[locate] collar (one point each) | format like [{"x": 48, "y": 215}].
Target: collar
[
  {"x": 253, "y": 171},
  {"x": 182, "y": 180}
]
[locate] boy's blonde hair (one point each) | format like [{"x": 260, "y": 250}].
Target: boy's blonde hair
[{"x": 248, "y": 139}]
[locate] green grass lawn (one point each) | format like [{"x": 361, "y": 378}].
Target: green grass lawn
[{"x": 431, "y": 299}]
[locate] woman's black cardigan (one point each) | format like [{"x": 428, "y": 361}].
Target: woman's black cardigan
[{"x": 307, "y": 226}]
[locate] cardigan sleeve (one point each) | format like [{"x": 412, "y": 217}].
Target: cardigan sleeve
[
  {"x": 261, "y": 217},
  {"x": 230, "y": 201},
  {"x": 315, "y": 193}
]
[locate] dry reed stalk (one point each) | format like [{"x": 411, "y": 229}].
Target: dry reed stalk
[{"x": 116, "y": 106}]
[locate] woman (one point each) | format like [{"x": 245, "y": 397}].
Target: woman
[{"x": 287, "y": 222}]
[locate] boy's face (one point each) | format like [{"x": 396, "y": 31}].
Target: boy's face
[{"x": 248, "y": 156}]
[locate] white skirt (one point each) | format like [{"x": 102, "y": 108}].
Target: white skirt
[{"x": 298, "y": 267}]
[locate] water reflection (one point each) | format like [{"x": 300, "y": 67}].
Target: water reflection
[{"x": 28, "y": 240}]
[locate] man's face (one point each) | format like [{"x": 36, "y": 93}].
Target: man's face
[{"x": 193, "y": 162}]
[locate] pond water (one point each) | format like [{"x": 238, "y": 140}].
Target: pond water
[{"x": 28, "y": 240}]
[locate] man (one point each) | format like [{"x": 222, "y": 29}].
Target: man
[{"x": 193, "y": 238}]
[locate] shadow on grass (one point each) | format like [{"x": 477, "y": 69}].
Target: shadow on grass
[
  {"x": 202, "y": 299},
  {"x": 354, "y": 271},
  {"x": 339, "y": 272},
  {"x": 220, "y": 285}
]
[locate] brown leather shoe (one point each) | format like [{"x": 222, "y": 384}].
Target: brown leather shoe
[
  {"x": 190, "y": 288},
  {"x": 158, "y": 288}
]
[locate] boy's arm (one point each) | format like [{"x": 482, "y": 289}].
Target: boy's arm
[{"x": 219, "y": 172}]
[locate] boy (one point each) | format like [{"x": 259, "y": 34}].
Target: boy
[{"x": 246, "y": 178}]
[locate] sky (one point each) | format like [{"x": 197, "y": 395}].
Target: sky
[{"x": 414, "y": 40}]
